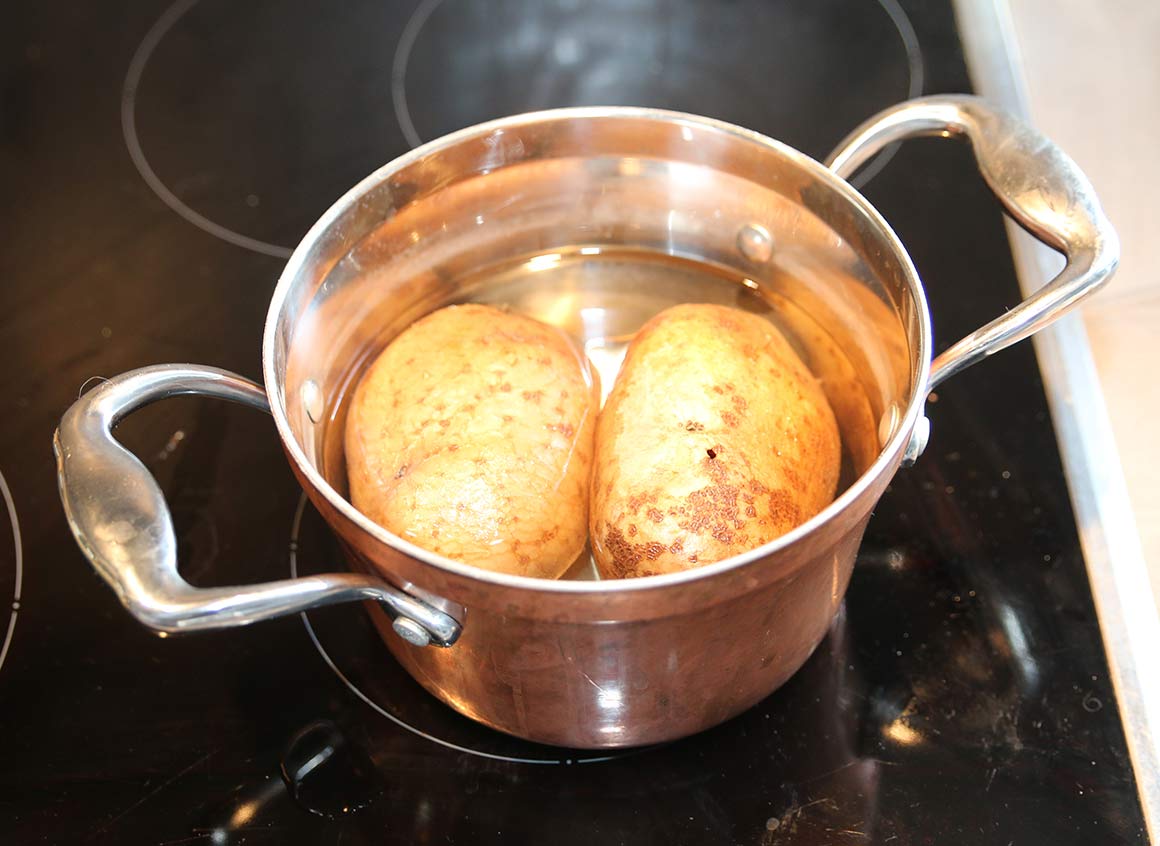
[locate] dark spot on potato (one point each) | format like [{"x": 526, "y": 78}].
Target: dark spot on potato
[
  {"x": 717, "y": 389},
  {"x": 694, "y": 426},
  {"x": 784, "y": 510},
  {"x": 750, "y": 511},
  {"x": 626, "y": 557},
  {"x": 792, "y": 477},
  {"x": 712, "y": 510},
  {"x": 564, "y": 429},
  {"x": 712, "y": 453},
  {"x": 637, "y": 501},
  {"x": 533, "y": 396},
  {"x": 401, "y": 472},
  {"x": 631, "y": 530},
  {"x": 739, "y": 403},
  {"x": 453, "y": 447},
  {"x": 655, "y": 515},
  {"x": 730, "y": 419},
  {"x": 506, "y": 388},
  {"x": 676, "y": 546}
]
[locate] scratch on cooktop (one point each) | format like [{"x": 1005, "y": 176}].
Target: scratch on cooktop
[{"x": 153, "y": 793}]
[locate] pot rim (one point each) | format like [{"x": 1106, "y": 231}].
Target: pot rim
[{"x": 887, "y": 459}]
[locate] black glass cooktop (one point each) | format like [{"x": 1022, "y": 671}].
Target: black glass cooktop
[{"x": 158, "y": 161}]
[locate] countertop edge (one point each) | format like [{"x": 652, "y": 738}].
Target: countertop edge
[{"x": 1099, "y": 495}]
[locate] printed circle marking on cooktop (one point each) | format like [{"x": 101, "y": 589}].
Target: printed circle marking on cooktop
[
  {"x": 249, "y": 123},
  {"x": 17, "y": 572},
  {"x": 460, "y": 63},
  {"x": 354, "y": 651}
]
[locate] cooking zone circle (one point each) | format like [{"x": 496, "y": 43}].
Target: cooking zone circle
[
  {"x": 13, "y": 572},
  {"x": 355, "y": 653},
  {"x": 527, "y": 56},
  {"x": 455, "y": 64}
]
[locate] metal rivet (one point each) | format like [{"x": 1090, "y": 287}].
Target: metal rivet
[
  {"x": 410, "y": 631},
  {"x": 888, "y": 424},
  {"x": 312, "y": 400},
  {"x": 917, "y": 444},
  {"x": 755, "y": 243}
]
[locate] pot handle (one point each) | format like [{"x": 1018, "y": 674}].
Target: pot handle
[
  {"x": 118, "y": 515},
  {"x": 1038, "y": 184}
]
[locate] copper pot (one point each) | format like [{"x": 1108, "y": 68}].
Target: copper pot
[{"x": 573, "y": 662}]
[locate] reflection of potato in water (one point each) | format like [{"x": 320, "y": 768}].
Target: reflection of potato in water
[
  {"x": 839, "y": 381},
  {"x": 862, "y": 359},
  {"x": 714, "y": 440},
  {"x": 471, "y": 436}
]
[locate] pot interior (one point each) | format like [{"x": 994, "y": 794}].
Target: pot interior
[{"x": 593, "y": 221}]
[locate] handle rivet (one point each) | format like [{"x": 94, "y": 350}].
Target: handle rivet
[
  {"x": 917, "y": 444},
  {"x": 410, "y": 631},
  {"x": 888, "y": 424},
  {"x": 312, "y": 400},
  {"x": 755, "y": 243}
]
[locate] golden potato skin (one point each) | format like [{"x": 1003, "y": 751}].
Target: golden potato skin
[
  {"x": 471, "y": 436},
  {"x": 714, "y": 440}
]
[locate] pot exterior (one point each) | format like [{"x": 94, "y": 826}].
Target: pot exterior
[
  {"x": 583, "y": 671},
  {"x": 633, "y": 661},
  {"x": 587, "y": 685}
]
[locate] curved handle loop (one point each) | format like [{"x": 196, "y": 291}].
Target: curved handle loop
[
  {"x": 120, "y": 519},
  {"x": 1038, "y": 184}
]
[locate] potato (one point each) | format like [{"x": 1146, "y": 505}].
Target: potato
[
  {"x": 471, "y": 436},
  {"x": 714, "y": 440}
]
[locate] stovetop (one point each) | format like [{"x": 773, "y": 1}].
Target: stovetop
[{"x": 158, "y": 162}]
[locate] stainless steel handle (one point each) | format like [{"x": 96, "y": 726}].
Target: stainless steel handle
[
  {"x": 119, "y": 517},
  {"x": 1038, "y": 184}
]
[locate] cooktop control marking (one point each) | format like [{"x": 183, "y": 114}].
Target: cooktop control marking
[{"x": 19, "y": 562}]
